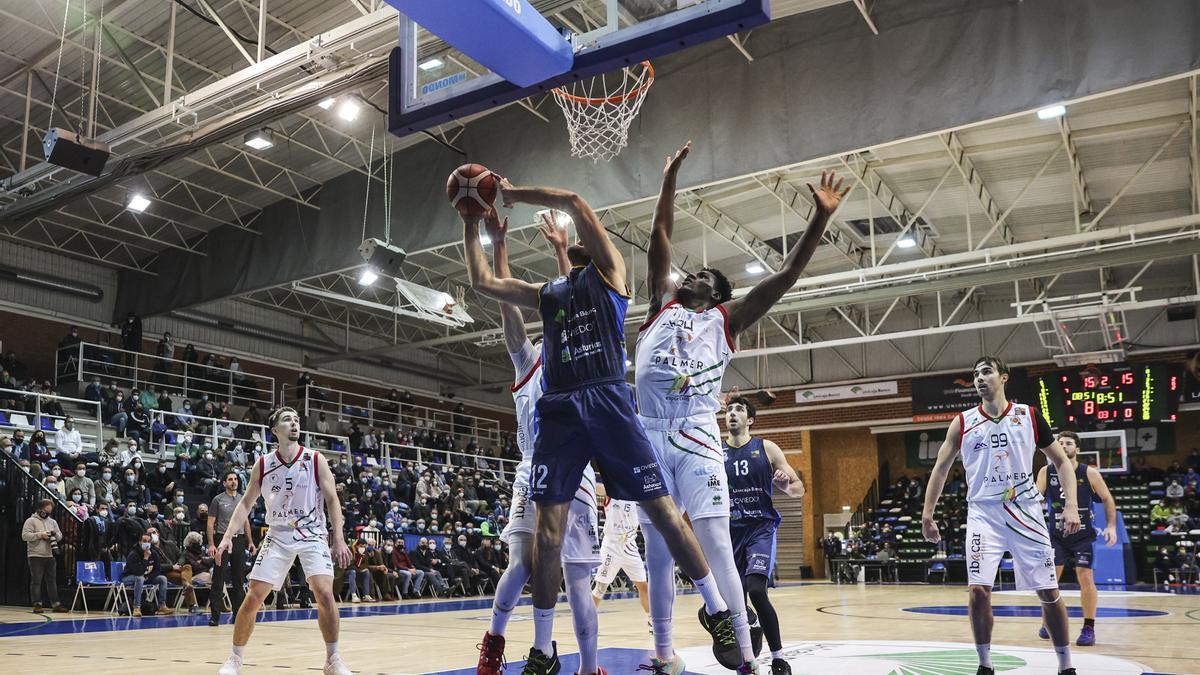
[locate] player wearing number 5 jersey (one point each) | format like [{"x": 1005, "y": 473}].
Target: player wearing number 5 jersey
[
  {"x": 297, "y": 487},
  {"x": 997, "y": 440}
]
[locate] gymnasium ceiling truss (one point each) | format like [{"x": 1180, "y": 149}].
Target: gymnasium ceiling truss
[{"x": 989, "y": 228}]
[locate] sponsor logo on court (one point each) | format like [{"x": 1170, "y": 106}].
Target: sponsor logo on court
[{"x": 886, "y": 657}]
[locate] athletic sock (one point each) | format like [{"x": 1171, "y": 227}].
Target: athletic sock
[
  {"x": 1064, "y": 656},
  {"x": 660, "y": 574},
  {"x": 543, "y": 630},
  {"x": 239, "y": 650},
  {"x": 663, "y": 647},
  {"x": 1090, "y": 623},
  {"x": 512, "y": 582},
  {"x": 985, "y": 654},
  {"x": 776, "y": 654},
  {"x": 331, "y": 648},
  {"x": 713, "y": 602},
  {"x": 578, "y": 577},
  {"x": 713, "y": 536}
]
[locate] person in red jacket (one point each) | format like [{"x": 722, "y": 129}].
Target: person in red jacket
[{"x": 407, "y": 577}]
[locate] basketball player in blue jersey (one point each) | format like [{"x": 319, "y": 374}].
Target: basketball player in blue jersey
[
  {"x": 754, "y": 467},
  {"x": 682, "y": 352},
  {"x": 587, "y": 410},
  {"x": 997, "y": 440},
  {"x": 580, "y": 546},
  {"x": 1077, "y": 548}
]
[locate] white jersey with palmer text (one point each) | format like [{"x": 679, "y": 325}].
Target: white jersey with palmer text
[
  {"x": 581, "y": 542},
  {"x": 998, "y": 453},
  {"x": 292, "y": 494},
  {"x": 681, "y": 358}
]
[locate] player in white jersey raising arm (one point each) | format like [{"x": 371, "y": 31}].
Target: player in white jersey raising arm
[
  {"x": 682, "y": 352},
  {"x": 997, "y": 440},
  {"x": 619, "y": 550},
  {"x": 581, "y": 548},
  {"x": 298, "y": 489}
]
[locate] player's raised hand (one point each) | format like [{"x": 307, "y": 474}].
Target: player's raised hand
[
  {"x": 829, "y": 196},
  {"x": 341, "y": 554},
  {"x": 505, "y": 187},
  {"x": 1070, "y": 519},
  {"x": 674, "y": 162},
  {"x": 555, "y": 236},
  {"x": 929, "y": 530},
  {"x": 496, "y": 229}
]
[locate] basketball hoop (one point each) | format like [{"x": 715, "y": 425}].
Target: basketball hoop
[{"x": 599, "y": 110}]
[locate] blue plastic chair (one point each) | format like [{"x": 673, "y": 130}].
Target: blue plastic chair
[
  {"x": 48, "y": 424},
  {"x": 935, "y": 567},
  {"x": 90, "y": 574},
  {"x": 4, "y": 422},
  {"x": 1006, "y": 565}
]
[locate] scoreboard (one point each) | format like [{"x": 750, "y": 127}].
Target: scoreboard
[{"x": 1109, "y": 396}]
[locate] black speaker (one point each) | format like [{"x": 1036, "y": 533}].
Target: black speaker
[
  {"x": 71, "y": 151},
  {"x": 1181, "y": 313}
]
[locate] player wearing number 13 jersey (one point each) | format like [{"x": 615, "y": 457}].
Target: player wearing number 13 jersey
[{"x": 997, "y": 440}]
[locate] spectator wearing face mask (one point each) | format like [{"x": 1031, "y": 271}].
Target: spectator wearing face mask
[
  {"x": 196, "y": 557},
  {"x": 129, "y": 526},
  {"x": 208, "y": 471},
  {"x": 86, "y": 486},
  {"x": 131, "y": 453},
  {"x": 107, "y": 489},
  {"x": 68, "y": 441},
  {"x": 139, "y": 423},
  {"x": 41, "y": 535},
  {"x": 174, "y": 566},
  {"x": 178, "y": 525},
  {"x": 131, "y": 489},
  {"x": 407, "y": 578},
  {"x": 39, "y": 450},
  {"x": 470, "y": 566},
  {"x": 114, "y": 411},
  {"x": 143, "y": 565},
  {"x": 425, "y": 559},
  {"x": 160, "y": 482},
  {"x": 186, "y": 453},
  {"x": 383, "y": 583},
  {"x": 97, "y": 535},
  {"x": 76, "y": 505},
  {"x": 54, "y": 483},
  {"x": 488, "y": 560},
  {"x": 456, "y": 570},
  {"x": 358, "y": 574}
]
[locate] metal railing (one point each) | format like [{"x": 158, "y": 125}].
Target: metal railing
[
  {"x": 211, "y": 432},
  {"x": 394, "y": 455},
  {"x": 90, "y": 426},
  {"x": 19, "y": 495},
  {"x": 373, "y": 411},
  {"x": 132, "y": 370}
]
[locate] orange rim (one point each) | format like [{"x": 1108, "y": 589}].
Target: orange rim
[{"x": 612, "y": 99}]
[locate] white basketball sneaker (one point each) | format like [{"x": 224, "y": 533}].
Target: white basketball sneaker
[
  {"x": 335, "y": 666},
  {"x": 233, "y": 666}
]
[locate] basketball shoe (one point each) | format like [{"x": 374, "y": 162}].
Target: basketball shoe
[
  {"x": 780, "y": 667},
  {"x": 538, "y": 663},
  {"x": 335, "y": 666},
  {"x": 725, "y": 647},
  {"x": 233, "y": 666},
  {"x": 674, "y": 666},
  {"x": 491, "y": 655},
  {"x": 1087, "y": 637}
]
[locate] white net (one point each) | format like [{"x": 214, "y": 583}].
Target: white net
[{"x": 600, "y": 109}]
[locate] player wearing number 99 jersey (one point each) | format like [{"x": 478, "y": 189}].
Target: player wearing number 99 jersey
[{"x": 997, "y": 440}]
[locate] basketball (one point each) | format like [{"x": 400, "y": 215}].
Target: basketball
[{"x": 471, "y": 188}]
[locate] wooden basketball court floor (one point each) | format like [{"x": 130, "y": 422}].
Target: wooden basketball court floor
[{"x": 827, "y": 628}]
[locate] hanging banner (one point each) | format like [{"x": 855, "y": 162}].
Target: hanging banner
[
  {"x": 938, "y": 398},
  {"x": 820, "y": 394}
]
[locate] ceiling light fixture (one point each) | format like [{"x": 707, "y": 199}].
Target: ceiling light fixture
[
  {"x": 260, "y": 139},
  {"x": 138, "y": 202},
  {"x": 1051, "y": 112},
  {"x": 906, "y": 242},
  {"x": 348, "y": 109},
  {"x": 431, "y": 64},
  {"x": 755, "y": 268},
  {"x": 327, "y": 103},
  {"x": 368, "y": 276}
]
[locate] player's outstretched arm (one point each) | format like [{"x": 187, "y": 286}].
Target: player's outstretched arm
[
  {"x": 658, "y": 254},
  {"x": 785, "y": 477},
  {"x": 241, "y": 513},
  {"x": 744, "y": 311},
  {"x": 1100, "y": 489},
  {"x": 511, "y": 319},
  {"x": 593, "y": 235},
  {"x": 1066, "y": 480},
  {"x": 482, "y": 280},
  {"x": 937, "y": 479},
  {"x": 333, "y": 509}
]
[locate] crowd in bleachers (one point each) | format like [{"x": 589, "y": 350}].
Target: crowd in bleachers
[{"x": 152, "y": 480}]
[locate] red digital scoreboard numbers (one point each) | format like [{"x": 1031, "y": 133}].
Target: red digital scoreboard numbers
[{"x": 1111, "y": 396}]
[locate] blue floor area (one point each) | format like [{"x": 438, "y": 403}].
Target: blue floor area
[
  {"x": 614, "y": 661},
  {"x": 1029, "y": 611}
]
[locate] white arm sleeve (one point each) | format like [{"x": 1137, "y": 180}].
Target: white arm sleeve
[{"x": 524, "y": 360}]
